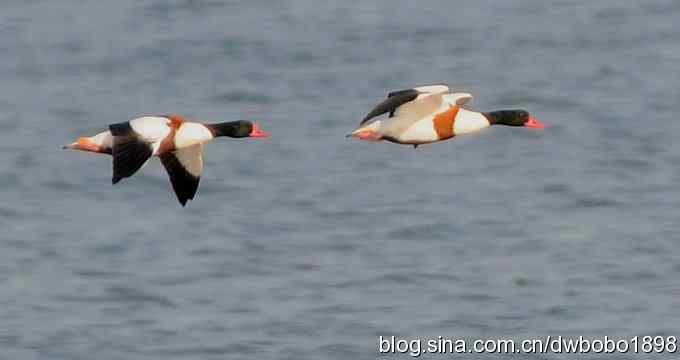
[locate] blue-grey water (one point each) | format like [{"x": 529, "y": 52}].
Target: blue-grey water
[{"x": 308, "y": 245}]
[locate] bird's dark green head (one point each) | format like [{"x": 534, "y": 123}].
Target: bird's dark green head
[
  {"x": 237, "y": 129},
  {"x": 513, "y": 118}
]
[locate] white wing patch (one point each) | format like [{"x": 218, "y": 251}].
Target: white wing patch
[
  {"x": 459, "y": 99},
  {"x": 433, "y": 89},
  {"x": 191, "y": 159},
  {"x": 423, "y": 105},
  {"x": 151, "y": 128},
  {"x": 426, "y": 103}
]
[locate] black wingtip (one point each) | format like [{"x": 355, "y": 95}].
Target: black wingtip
[
  {"x": 390, "y": 105},
  {"x": 115, "y": 180},
  {"x": 130, "y": 153},
  {"x": 121, "y": 129},
  {"x": 183, "y": 183}
]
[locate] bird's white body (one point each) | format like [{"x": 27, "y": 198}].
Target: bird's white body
[{"x": 469, "y": 121}]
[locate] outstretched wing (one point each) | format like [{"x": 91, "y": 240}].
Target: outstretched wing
[
  {"x": 130, "y": 152},
  {"x": 184, "y": 168},
  {"x": 399, "y": 98},
  {"x": 426, "y": 89},
  {"x": 389, "y": 105}
]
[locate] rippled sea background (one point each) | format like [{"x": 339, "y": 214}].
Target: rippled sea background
[{"x": 308, "y": 245}]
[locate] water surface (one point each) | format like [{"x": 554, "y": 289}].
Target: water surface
[{"x": 308, "y": 245}]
